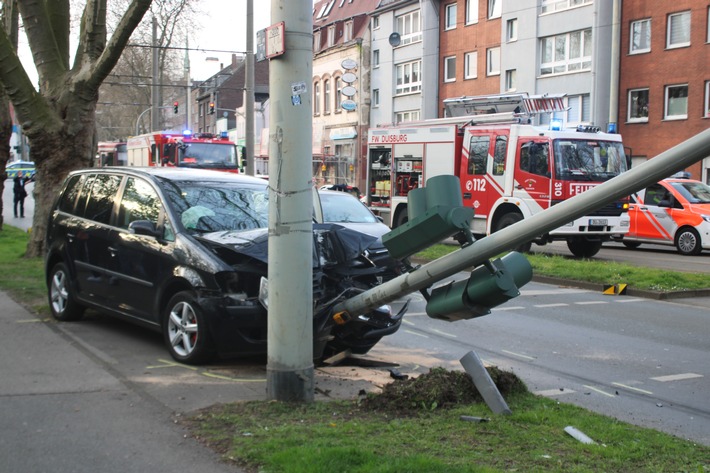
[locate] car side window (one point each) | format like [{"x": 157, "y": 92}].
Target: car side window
[
  {"x": 655, "y": 194},
  {"x": 71, "y": 192},
  {"x": 139, "y": 202},
  {"x": 103, "y": 192}
]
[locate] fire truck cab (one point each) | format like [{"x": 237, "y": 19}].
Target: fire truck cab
[
  {"x": 199, "y": 150},
  {"x": 508, "y": 168}
]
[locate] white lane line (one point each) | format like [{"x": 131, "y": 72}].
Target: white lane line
[
  {"x": 518, "y": 355},
  {"x": 441, "y": 332},
  {"x": 407, "y": 322},
  {"x": 591, "y": 302},
  {"x": 543, "y": 306},
  {"x": 596, "y": 390},
  {"x": 677, "y": 377},
  {"x": 517, "y": 307},
  {"x": 417, "y": 334},
  {"x": 554, "y": 392},
  {"x": 622, "y": 301},
  {"x": 632, "y": 388}
]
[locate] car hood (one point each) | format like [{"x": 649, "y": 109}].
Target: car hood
[{"x": 333, "y": 243}]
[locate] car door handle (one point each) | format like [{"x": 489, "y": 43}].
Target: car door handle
[{"x": 113, "y": 251}]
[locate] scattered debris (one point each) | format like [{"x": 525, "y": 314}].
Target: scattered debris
[
  {"x": 578, "y": 435},
  {"x": 396, "y": 374},
  {"x": 474, "y": 419}
]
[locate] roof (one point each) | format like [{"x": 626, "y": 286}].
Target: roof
[{"x": 327, "y": 12}]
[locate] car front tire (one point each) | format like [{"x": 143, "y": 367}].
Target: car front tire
[
  {"x": 687, "y": 242},
  {"x": 62, "y": 301},
  {"x": 185, "y": 330}
]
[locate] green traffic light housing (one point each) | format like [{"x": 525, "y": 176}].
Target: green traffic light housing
[
  {"x": 434, "y": 212},
  {"x": 490, "y": 285}
]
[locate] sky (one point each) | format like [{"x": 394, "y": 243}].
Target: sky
[{"x": 223, "y": 31}]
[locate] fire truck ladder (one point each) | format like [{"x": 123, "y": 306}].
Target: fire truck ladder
[{"x": 502, "y": 108}]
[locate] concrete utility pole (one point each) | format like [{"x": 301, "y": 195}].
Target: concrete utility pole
[
  {"x": 249, "y": 90},
  {"x": 289, "y": 369},
  {"x": 155, "y": 92}
]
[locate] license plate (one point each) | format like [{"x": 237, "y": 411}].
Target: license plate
[{"x": 598, "y": 222}]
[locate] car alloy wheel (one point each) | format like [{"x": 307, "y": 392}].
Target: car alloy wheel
[{"x": 185, "y": 330}]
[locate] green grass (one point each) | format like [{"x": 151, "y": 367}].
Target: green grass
[
  {"x": 342, "y": 436},
  {"x": 596, "y": 271}
]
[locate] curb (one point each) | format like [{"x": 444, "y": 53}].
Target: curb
[{"x": 658, "y": 295}]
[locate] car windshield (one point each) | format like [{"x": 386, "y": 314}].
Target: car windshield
[
  {"x": 344, "y": 208},
  {"x": 218, "y": 206},
  {"x": 588, "y": 160},
  {"x": 208, "y": 155},
  {"x": 694, "y": 192}
]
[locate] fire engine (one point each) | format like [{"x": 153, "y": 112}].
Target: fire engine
[
  {"x": 508, "y": 168},
  {"x": 199, "y": 150}
]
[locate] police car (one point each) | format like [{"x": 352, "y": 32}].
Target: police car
[{"x": 27, "y": 168}]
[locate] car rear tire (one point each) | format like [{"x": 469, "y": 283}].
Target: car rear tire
[
  {"x": 687, "y": 241},
  {"x": 62, "y": 301},
  {"x": 631, "y": 244},
  {"x": 185, "y": 330},
  {"x": 508, "y": 220}
]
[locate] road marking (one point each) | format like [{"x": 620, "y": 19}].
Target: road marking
[
  {"x": 543, "y": 306},
  {"x": 596, "y": 390},
  {"x": 229, "y": 378},
  {"x": 409, "y": 314},
  {"x": 517, "y": 307},
  {"x": 417, "y": 334},
  {"x": 518, "y": 354},
  {"x": 632, "y": 388},
  {"x": 170, "y": 364},
  {"x": 677, "y": 377},
  {"x": 440, "y": 332},
  {"x": 405, "y": 321},
  {"x": 622, "y": 301},
  {"x": 554, "y": 392},
  {"x": 591, "y": 302}
]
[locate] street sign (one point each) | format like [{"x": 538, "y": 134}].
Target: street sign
[{"x": 275, "y": 40}]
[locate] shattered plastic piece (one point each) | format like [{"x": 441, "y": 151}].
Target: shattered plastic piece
[{"x": 396, "y": 374}]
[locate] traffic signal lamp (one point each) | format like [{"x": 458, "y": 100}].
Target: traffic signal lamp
[
  {"x": 211, "y": 108},
  {"x": 175, "y": 106},
  {"x": 490, "y": 285},
  {"x": 434, "y": 212}
]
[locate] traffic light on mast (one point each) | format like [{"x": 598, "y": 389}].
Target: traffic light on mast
[
  {"x": 211, "y": 108},
  {"x": 175, "y": 106}
]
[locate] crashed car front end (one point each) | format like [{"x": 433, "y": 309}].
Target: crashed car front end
[{"x": 345, "y": 263}]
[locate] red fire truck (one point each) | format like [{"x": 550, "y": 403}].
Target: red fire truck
[
  {"x": 509, "y": 169},
  {"x": 199, "y": 150}
]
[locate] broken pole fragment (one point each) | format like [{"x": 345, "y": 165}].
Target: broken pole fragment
[{"x": 473, "y": 365}]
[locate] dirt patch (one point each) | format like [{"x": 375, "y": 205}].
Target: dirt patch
[{"x": 438, "y": 389}]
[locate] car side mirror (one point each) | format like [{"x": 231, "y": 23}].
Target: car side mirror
[{"x": 143, "y": 227}]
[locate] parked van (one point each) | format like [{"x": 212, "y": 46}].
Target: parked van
[{"x": 674, "y": 211}]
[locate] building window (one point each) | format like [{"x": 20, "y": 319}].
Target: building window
[
  {"x": 638, "y": 105},
  {"x": 409, "y": 28},
  {"x": 493, "y": 62},
  {"x": 376, "y": 58},
  {"x": 470, "y": 65},
  {"x": 551, "y": 6},
  {"x": 706, "y": 109},
  {"x": 338, "y": 93},
  {"x": 450, "y": 69},
  {"x": 494, "y": 8},
  {"x": 578, "y": 109},
  {"x": 375, "y": 97},
  {"x": 511, "y": 30},
  {"x": 450, "y": 17},
  {"x": 331, "y": 36},
  {"x": 375, "y": 22},
  {"x": 707, "y": 29},
  {"x": 678, "y": 30},
  {"x": 316, "y": 98},
  {"x": 640, "y": 36},
  {"x": 326, "y": 96},
  {"x": 471, "y": 12},
  {"x": 676, "y": 106},
  {"x": 316, "y": 41},
  {"x": 408, "y": 116},
  {"x": 571, "y": 52},
  {"x": 510, "y": 79},
  {"x": 348, "y": 31},
  {"x": 409, "y": 78}
]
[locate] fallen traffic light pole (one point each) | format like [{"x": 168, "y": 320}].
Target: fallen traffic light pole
[{"x": 480, "y": 251}]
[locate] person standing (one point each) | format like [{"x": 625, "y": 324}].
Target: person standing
[{"x": 19, "y": 193}]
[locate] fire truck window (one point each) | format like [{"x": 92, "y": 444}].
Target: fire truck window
[
  {"x": 499, "y": 155},
  {"x": 478, "y": 154},
  {"x": 534, "y": 158}
]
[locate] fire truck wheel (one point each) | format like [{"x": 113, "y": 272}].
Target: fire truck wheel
[
  {"x": 632, "y": 245},
  {"x": 687, "y": 241},
  {"x": 582, "y": 247},
  {"x": 401, "y": 218},
  {"x": 508, "y": 220}
]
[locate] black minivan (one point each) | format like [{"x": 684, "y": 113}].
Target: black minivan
[{"x": 184, "y": 251}]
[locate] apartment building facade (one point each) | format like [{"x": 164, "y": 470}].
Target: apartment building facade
[{"x": 664, "y": 88}]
